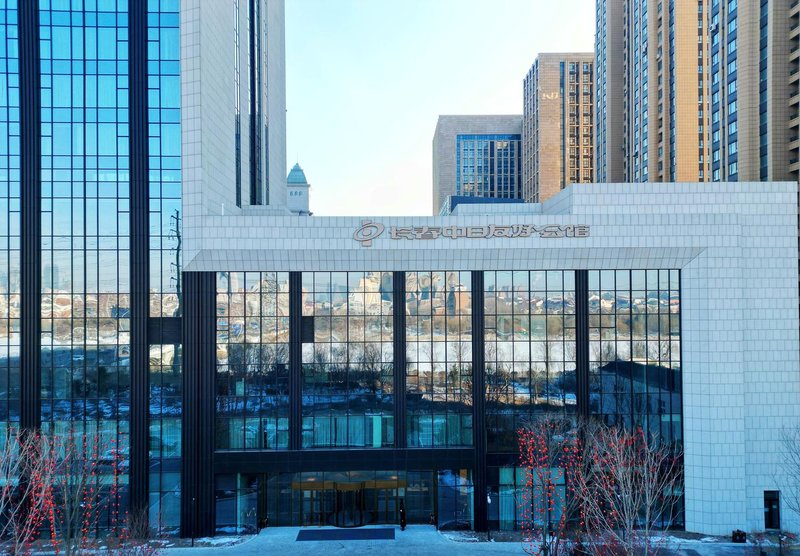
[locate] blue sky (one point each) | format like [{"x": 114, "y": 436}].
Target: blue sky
[{"x": 366, "y": 80}]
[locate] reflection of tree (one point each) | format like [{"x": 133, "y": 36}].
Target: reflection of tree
[
  {"x": 498, "y": 379},
  {"x": 459, "y": 380},
  {"x": 371, "y": 359}
]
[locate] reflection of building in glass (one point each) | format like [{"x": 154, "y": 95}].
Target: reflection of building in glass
[
  {"x": 347, "y": 360},
  {"x": 348, "y": 387}
]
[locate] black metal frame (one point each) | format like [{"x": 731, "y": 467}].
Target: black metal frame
[
  {"x": 582, "y": 342},
  {"x": 197, "y": 433},
  {"x": 139, "y": 260},
  {"x": 399, "y": 358},
  {"x": 385, "y": 459},
  {"x": 479, "y": 483},
  {"x": 295, "y": 360},
  {"x": 31, "y": 214}
]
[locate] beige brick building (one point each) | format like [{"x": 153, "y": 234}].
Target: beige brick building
[
  {"x": 652, "y": 74},
  {"x": 557, "y": 124},
  {"x": 608, "y": 91},
  {"x": 754, "y": 79},
  {"x": 794, "y": 91}
]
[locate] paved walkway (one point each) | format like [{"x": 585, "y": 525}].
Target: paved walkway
[{"x": 416, "y": 540}]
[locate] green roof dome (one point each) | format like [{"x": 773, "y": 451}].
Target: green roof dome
[{"x": 297, "y": 176}]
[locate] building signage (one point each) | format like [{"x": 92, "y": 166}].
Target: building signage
[{"x": 370, "y": 230}]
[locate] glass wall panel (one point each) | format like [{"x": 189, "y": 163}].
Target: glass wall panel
[
  {"x": 489, "y": 166},
  {"x": 529, "y": 332},
  {"x": 455, "y": 499},
  {"x": 634, "y": 351},
  {"x": 164, "y": 140},
  {"x": 165, "y": 437},
  {"x": 347, "y": 360},
  {"x": 85, "y": 296},
  {"x": 439, "y": 359},
  {"x": 343, "y": 498},
  {"x": 252, "y": 361},
  {"x": 236, "y": 504},
  {"x": 9, "y": 217},
  {"x": 164, "y": 131}
]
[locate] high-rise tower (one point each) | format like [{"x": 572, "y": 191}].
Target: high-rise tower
[
  {"x": 652, "y": 72},
  {"x": 557, "y": 129},
  {"x": 122, "y": 123}
]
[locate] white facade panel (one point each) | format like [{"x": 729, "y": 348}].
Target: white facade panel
[{"x": 736, "y": 246}]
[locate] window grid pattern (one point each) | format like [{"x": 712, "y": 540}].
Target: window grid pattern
[
  {"x": 10, "y": 224},
  {"x": 164, "y": 129},
  {"x": 530, "y": 350},
  {"x": 85, "y": 296},
  {"x": 164, "y": 146},
  {"x": 489, "y": 166},
  {"x": 634, "y": 350},
  {"x": 252, "y": 361},
  {"x": 439, "y": 359},
  {"x": 237, "y": 104},
  {"x": 165, "y": 437},
  {"x": 348, "y": 367}
]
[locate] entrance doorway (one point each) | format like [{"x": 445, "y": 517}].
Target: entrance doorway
[
  {"x": 347, "y": 501},
  {"x": 772, "y": 509},
  {"x": 350, "y": 508},
  {"x": 245, "y": 502}
]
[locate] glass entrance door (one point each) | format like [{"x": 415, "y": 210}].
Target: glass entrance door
[
  {"x": 347, "y": 498},
  {"x": 382, "y": 500},
  {"x": 349, "y": 505}
]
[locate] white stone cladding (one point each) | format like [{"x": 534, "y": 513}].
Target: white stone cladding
[
  {"x": 736, "y": 246},
  {"x": 208, "y": 114},
  {"x": 275, "y": 103}
]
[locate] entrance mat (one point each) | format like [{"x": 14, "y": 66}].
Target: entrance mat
[{"x": 384, "y": 534}]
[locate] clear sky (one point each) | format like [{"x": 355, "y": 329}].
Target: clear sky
[{"x": 367, "y": 79}]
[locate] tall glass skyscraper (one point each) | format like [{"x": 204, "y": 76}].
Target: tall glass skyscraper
[{"x": 91, "y": 214}]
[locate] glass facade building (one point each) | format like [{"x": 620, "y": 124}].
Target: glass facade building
[
  {"x": 235, "y": 399},
  {"x": 90, "y": 269},
  {"x": 411, "y": 386},
  {"x": 489, "y": 165}
]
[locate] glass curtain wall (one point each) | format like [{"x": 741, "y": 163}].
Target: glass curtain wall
[
  {"x": 634, "y": 350},
  {"x": 165, "y": 437},
  {"x": 489, "y": 166},
  {"x": 347, "y": 363},
  {"x": 529, "y": 330},
  {"x": 635, "y": 355},
  {"x": 439, "y": 359},
  {"x": 164, "y": 134},
  {"x": 252, "y": 361},
  {"x": 85, "y": 301},
  {"x": 9, "y": 218},
  {"x": 164, "y": 130}
]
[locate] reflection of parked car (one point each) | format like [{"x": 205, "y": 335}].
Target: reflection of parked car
[{"x": 115, "y": 456}]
